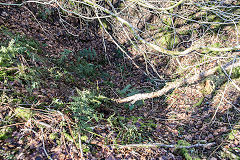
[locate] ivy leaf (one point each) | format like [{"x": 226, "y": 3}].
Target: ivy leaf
[{"x": 131, "y": 107}]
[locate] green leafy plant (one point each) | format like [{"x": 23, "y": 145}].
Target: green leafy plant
[
  {"x": 81, "y": 66},
  {"x": 84, "y": 107},
  {"x": 185, "y": 152},
  {"x": 5, "y": 133},
  {"x": 118, "y": 54},
  {"x": 64, "y": 56},
  {"x": 23, "y": 113},
  {"x": 45, "y": 13},
  {"x": 88, "y": 54},
  {"x": 131, "y": 129},
  {"x": 236, "y": 72},
  {"x": 84, "y": 69},
  {"x": 7, "y": 54}
]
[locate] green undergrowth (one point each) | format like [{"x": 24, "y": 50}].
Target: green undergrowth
[
  {"x": 27, "y": 76},
  {"x": 83, "y": 108},
  {"x": 131, "y": 129},
  {"x": 5, "y": 133},
  {"x": 236, "y": 73},
  {"x": 23, "y": 113},
  {"x": 19, "y": 60},
  {"x": 188, "y": 154},
  {"x": 21, "y": 63},
  {"x": 83, "y": 64}
]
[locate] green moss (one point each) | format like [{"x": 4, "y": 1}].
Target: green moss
[
  {"x": 236, "y": 72},
  {"x": 211, "y": 83},
  {"x": 185, "y": 152},
  {"x": 198, "y": 103},
  {"x": 53, "y": 136},
  {"x": 5, "y": 133},
  {"x": 232, "y": 134},
  {"x": 68, "y": 137},
  {"x": 23, "y": 113},
  {"x": 168, "y": 40}
]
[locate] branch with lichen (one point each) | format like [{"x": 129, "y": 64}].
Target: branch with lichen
[
  {"x": 178, "y": 83},
  {"x": 164, "y": 145}
]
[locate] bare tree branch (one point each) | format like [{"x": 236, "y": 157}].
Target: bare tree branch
[
  {"x": 164, "y": 145},
  {"x": 172, "y": 85}
]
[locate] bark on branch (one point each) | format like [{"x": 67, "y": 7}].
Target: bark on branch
[
  {"x": 172, "y": 85},
  {"x": 164, "y": 145},
  {"x": 150, "y": 6}
]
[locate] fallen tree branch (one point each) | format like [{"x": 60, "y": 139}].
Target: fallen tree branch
[
  {"x": 172, "y": 85},
  {"x": 133, "y": 30},
  {"x": 154, "y": 46},
  {"x": 150, "y": 6},
  {"x": 164, "y": 145}
]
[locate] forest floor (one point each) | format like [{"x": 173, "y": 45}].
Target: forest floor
[{"x": 57, "y": 94}]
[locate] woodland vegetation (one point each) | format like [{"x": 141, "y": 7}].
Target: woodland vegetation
[{"x": 119, "y": 79}]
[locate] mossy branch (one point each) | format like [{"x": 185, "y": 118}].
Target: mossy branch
[
  {"x": 150, "y": 6},
  {"x": 172, "y": 85},
  {"x": 163, "y": 145}
]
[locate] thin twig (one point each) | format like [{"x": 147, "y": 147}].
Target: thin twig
[
  {"x": 37, "y": 21},
  {"x": 230, "y": 79},
  {"x": 44, "y": 149},
  {"x": 5, "y": 90},
  {"x": 80, "y": 145},
  {"x": 10, "y": 125},
  {"x": 223, "y": 93}
]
